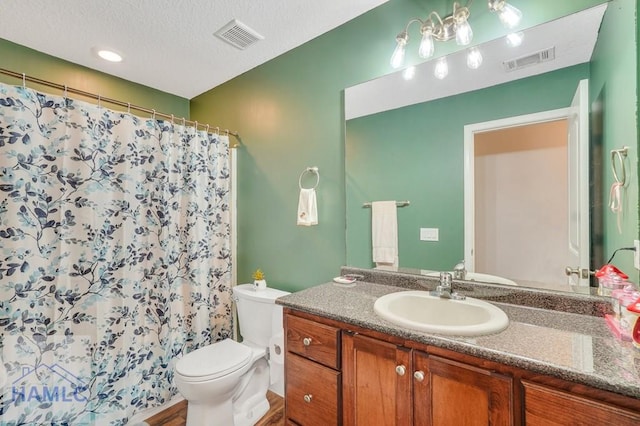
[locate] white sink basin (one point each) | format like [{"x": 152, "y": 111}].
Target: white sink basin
[
  {"x": 475, "y": 276},
  {"x": 418, "y": 310}
]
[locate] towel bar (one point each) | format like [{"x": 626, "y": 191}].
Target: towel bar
[{"x": 398, "y": 204}]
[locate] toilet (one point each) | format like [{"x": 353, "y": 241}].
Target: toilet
[{"x": 226, "y": 383}]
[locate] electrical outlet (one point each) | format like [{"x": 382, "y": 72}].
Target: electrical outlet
[
  {"x": 636, "y": 254},
  {"x": 429, "y": 234}
]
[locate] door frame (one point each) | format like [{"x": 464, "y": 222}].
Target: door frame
[{"x": 469, "y": 166}]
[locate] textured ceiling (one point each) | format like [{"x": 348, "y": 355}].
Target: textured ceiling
[{"x": 169, "y": 44}]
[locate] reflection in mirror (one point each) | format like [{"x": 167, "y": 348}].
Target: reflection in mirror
[{"x": 405, "y": 140}]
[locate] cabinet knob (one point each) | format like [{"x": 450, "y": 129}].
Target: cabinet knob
[
  {"x": 306, "y": 341},
  {"x": 308, "y": 397},
  {"x": 419, "y": 375},
  {"x": 401, "y": 369}
]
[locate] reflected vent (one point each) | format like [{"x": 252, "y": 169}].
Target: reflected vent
[
  {"x": 529, "y": 60},
  {"x": 238, "y": 34}
]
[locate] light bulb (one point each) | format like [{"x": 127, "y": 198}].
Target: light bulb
[
  {"x": 515, "y": 39},
  {"x": 510, "y": 16},
  {"x": 426, "y": 45},
  {"x": 442, "y": 68},
  {"x": 398, "y": 54},
  {"x": 474, "y": 58},
  {"x": 409, "y": 73},
  {"x": 464, "y": 34}
]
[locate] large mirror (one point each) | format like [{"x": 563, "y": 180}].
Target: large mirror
[{"x": 490, "y": 158}]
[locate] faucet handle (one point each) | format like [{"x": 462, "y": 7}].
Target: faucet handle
[{"x": 445, "y": 279}]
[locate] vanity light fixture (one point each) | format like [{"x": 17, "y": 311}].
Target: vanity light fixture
[
  {"x": 442, "y": 68},
  {"x": 515, "y": 39},
  {"x": 455, "y": 25},
  {"x": 409, "y": 73},
  {"x": 509, "y": 15},
  {"x": 474, "y": 58}
]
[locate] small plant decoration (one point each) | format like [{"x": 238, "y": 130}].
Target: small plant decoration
[{"x": 259, "y": 280}]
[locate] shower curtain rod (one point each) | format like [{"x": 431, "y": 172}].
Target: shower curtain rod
[{"x": 100, "y": 98}]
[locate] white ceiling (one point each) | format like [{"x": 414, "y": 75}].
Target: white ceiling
[
  {"x": 573, "y": 36},
  {"x": 169, "y": 44}
]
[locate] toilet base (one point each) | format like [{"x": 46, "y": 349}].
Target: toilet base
[
  {"x": 251, "y": 412},
  {"x": 208, "y": 414}
]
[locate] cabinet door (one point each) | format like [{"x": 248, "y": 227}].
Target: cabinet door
[
  {"x": 376, "y": 382},
  {"x": 312, "y": 396},
  {"x": 545, "y": 406},
  {"x": 447, "y": 393}
]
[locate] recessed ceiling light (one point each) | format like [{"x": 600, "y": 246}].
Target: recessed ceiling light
[{"x": 109, "y": 55}]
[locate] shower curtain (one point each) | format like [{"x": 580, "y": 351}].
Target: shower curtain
[{"x": 114, "y": 257}]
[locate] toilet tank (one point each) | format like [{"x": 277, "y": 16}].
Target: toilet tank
[{"x": 258, "y": 315}]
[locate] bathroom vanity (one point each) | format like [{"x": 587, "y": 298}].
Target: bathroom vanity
[{"x": 346, "y": 365}]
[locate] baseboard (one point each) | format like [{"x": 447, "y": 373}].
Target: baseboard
[{"x": 139, "y": 418}]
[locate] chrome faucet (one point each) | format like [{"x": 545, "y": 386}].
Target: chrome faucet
[
  {"x": 445, "y": 290},
  {"x": 460, "y": 271}
]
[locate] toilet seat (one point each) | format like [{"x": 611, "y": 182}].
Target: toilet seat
[{"x": 214, "y": 361}]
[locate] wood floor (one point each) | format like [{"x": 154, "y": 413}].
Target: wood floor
[{"x": 177, "y": 414}]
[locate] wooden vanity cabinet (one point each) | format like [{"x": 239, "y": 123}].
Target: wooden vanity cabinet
[
  {"x": 312, "y": 373},
  {"x": 545, "y": 405},
  {"x": 448, "y": 392},
  {"x": 376, "y": 382},
  {"x": 369, "y": 379}
]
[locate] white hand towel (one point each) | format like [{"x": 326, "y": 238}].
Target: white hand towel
[
  {"x": 384, "y": 233},
  {"x": 307, "y": 209}
]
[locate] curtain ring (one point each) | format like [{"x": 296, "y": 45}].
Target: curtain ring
[
  {"x": 128, "y": 107},
  {"x": 195, "y": 126},
  {"x": 24, "y": 81},
  {"x": 172, "y": 118},
  {"x": 184, "y": 122},
  {"x": 207, "y": 130},
  {"x": 99, "y": 101},
  {"x": 64, "y": 94},
  {"x": 217, "y": 130},
  {"x": 153, "y": 116},
  {"x": 226, "y": 131}
]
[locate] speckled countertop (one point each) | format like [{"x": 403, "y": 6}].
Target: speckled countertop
[{"x": 571, "y": 346}]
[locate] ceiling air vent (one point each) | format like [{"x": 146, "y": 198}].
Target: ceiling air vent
[
  {"x": 238, "y": 34},
  {"x": 532, "y": 59}
]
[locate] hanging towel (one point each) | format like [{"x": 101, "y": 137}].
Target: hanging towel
[
  {"x": 384, "y": 233},
  {"x": 307, "y": 209}
]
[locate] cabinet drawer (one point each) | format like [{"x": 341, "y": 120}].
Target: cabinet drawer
[
  {"x": 544, "y": 405},
  {"x": 312, "y": 394},
  {"x": 315, "y": 341}
]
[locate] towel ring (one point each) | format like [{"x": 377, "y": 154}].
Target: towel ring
[
  {"x": 619, "y": 154},
  {"x": 309, "y": 170}
]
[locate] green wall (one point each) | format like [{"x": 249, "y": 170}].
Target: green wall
[
  {"x": 20, "y": 59},
  {"x": 614, "y": 74},
  {"x": 416, "y": 153},
  {"x": 289, "y": 113}
]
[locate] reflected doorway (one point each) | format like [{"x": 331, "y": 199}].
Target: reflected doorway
[{"x": 521, "y": 202}]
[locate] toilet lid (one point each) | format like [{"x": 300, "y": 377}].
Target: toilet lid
[{"x": 214, "y": 360}]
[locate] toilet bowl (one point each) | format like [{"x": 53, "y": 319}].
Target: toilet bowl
[{"x": 226, "y": 383}]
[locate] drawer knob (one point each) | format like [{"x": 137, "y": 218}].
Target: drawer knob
[
  {"x": 308, "y": 397},
  {"x": 419, "y": 375},
  {"x": 401, "y": 369},
  {"x": 306, "y": 341}
]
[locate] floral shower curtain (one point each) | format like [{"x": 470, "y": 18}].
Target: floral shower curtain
[{"x": 114, "y": 257}]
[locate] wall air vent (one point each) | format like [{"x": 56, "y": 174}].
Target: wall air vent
[
  {"x": 529, "y": 60},
  {"x": 238, "y": 34}
]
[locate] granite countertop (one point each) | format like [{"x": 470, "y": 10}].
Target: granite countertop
[{"x": 571, "y": 346}]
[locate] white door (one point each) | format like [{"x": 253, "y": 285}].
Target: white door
[{"x": 578, "y": 158}]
